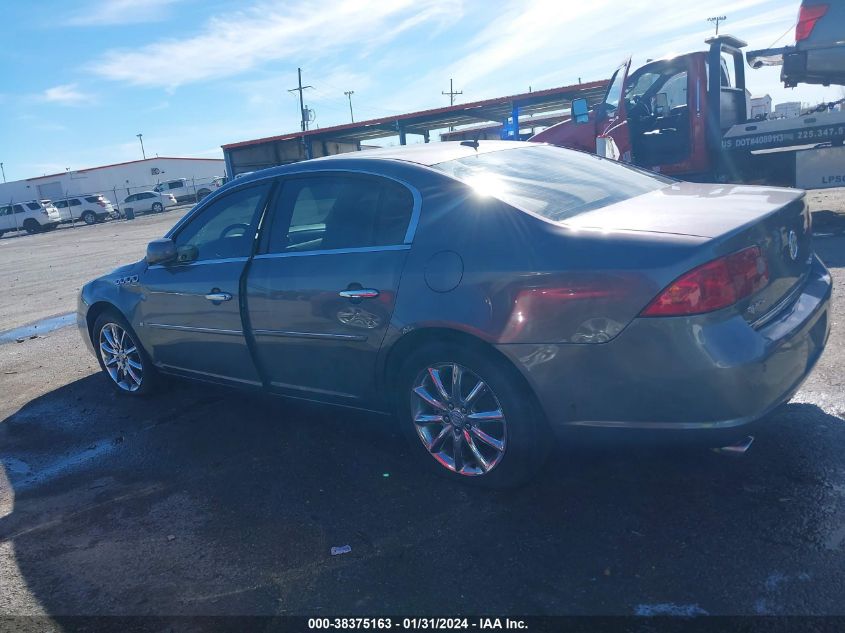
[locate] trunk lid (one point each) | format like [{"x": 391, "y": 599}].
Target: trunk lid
[{"x": 732, "y": 217}]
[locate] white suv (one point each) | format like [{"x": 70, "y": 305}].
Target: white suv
[
  {"x": 89, "y": 209},
  {"x": 32, "y": 217}
]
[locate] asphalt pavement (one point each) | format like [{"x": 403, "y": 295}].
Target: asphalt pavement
[{"x": 202, "y": 500}]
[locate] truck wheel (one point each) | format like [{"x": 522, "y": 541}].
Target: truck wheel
[
  {"x": 31, "y": 226},
  {"x": 89, "y": 217},
  {"x": 202, "y": 193}
]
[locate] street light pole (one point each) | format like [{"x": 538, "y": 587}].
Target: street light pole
[
  {"x": 4, "y": 172},
  {"x": 349, "y": 94},
  {"x": 141, "y": 138}
]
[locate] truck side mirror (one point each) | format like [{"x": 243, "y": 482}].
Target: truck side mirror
[{"x": 580, "y": 110}]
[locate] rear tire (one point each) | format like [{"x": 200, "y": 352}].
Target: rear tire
[
  {"x": 500, "y": 436},
  {"x": 124, "y": 361},
  {"x": 31, "y": 226},
  {"x": 158, "y": 207},
  {"x": 89, "y": 217}
]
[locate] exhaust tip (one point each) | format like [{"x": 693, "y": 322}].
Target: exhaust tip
[{"x": 740, "y": 448}]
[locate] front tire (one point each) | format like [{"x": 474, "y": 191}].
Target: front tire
[
  {"x": 469, "y": 416},
  {"x": 158, "y": 207},
  {"x": 122, "y": 359}
]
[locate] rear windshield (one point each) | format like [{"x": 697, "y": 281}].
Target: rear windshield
[{"x": 552, "y": 182}]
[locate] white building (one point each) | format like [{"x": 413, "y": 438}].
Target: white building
[
  {"x": 788, "y": 110},
  {"x": 761, "y": 106},
  {"x": 116, "y": 181}
]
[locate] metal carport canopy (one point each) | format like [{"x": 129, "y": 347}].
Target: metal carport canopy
[{"x": 498, "y": 109}]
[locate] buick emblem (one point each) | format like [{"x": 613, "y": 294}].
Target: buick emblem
[{"x": 793, "y": 245}]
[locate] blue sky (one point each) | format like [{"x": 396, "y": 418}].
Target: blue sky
[{"x": 81, "y": 79}]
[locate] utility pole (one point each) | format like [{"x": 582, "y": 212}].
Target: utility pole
[
  {"x": 452, "y": 94},
  {"x": 4, "y": 172},
  {"x": 302, "y": 112},
  {"x": 141, "y": 138},
  {"x": 349, "y": 94},
  {"x": 717, "y": 19}
]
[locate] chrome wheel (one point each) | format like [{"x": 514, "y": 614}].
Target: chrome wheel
[
  {"x": 459, "y": 419},
  {"x": 121, "y": 357}
]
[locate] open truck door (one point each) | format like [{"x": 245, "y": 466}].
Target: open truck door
[{"x": 613, "y": 133}]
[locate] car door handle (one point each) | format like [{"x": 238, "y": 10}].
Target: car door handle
[
  {"x": 218, "y": 296},
  {"x": 359, "y": 293}
]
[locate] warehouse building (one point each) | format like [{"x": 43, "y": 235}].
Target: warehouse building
[{"x": 116, "y": 181}]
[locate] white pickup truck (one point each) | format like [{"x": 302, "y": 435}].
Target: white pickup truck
[{"x": 185, "y": 190}]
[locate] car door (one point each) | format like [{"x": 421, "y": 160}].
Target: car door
[
  {"x": 613, "y": 139},
  {"x": 190, "y": 315},
  {"x": 321, "y": 292}
]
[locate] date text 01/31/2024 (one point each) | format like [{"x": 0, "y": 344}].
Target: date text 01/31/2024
[{"x": 416, "y": 623}]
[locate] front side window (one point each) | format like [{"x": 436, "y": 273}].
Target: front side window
[
  {"x": 329, "y": 212},
  {"x": 614, "y": 92},
  {"x": 552, "y": 182},
  {"x": 5, "y": 210},
  {"x": 224, "y": 229},
  {"x": 176, "y": 184}
]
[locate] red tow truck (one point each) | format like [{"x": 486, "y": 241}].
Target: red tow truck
[{"x": 687, "y": 116}]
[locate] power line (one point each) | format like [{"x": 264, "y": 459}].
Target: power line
[
  {"x": 349, "y": 94},
  {"x": 452, "y": 93},
  {"x": 302, "y": 112},
  {"x": 717, "y": 19}
]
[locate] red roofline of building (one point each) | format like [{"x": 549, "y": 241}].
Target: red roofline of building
[
  {"x": 411, "y": 115},
  {"x": 128, "y": 162}
]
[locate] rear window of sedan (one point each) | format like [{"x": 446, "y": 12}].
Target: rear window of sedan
[{"x": 552, "y": 182}]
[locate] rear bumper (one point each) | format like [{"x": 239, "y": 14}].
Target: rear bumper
[
  {"x": 704, "y": 373},
  {"x": 819, "y": 65}
]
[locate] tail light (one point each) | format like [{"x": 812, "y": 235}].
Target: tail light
[
  {"x": 807, "y": 18},
  {"x": 713, "y": 286}
]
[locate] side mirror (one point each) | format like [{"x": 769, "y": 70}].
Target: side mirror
[
  {"x": 580, "y": 111},
  {"x": 161, "y": 251}
]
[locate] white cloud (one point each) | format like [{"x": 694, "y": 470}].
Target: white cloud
[
  {"x": 66, "y": 94},
  {"x": 298, "y": 33},
  {"x": 110, "y": 12}
]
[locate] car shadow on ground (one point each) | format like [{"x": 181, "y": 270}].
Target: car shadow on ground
[
  {"x": 831, "y": 249},
  {"x": 207, "y": 501}
]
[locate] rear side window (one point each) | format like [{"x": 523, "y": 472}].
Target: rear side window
[
  {"x": 60, "y": 204},
  {"x": 93, "y": 199},
  {"x": 19, "y": 208},
  {"x": 552, "y": 182},
  {"x": 34, "y": 206},
  {"x": 75, "y": 202},
  {"x": 176, "y": 184},
  {"x": 328, "y": 212}
]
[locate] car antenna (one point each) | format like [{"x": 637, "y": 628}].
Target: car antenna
[{"x": 473, "y": 144}]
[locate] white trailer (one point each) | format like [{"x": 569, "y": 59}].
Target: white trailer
[{"x": 117, "y": 181}]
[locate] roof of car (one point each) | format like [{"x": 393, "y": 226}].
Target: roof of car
[{"x": 431, "y": 153}]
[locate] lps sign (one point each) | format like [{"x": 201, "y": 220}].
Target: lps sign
[{"x": 820, "y": 168}]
